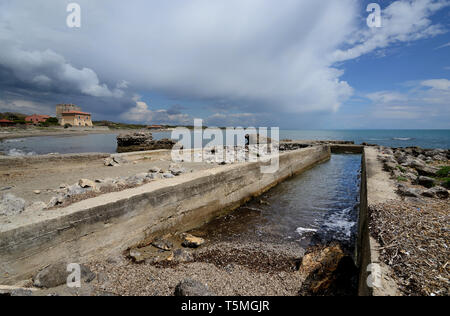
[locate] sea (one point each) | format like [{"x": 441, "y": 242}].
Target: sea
[{"x": 106, "y": 143}]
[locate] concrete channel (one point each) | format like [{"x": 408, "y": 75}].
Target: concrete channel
[{"x": 110, "y": 223}]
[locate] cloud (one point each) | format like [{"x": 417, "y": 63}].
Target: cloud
[
  {"x": 438, "y": 84},
  {"x": 143, "y": 114},
  {"x": 47, "y": 70},
  {"x": 256, "y": 54},
  {"x": 443, "y": 46},
  {"x": 425, "y": 101},
  {"x": 402, "y": 21}
]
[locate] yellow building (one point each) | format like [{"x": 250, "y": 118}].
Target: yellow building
[{"x": 76, "y": 118}]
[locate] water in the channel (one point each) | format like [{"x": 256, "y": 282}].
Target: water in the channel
[{"x": 317, "y": 207}]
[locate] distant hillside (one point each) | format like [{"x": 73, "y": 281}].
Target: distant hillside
[
  {"x": 114, "y": 125},
  {"x": 13, "y": 116}
]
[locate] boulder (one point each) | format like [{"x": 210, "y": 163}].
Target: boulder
[
  {"x": 327, "y": 270},
  {"x": 423, "y": 169},
  {"x": 181, "y": 256},
  {"x": 56, "y": 275},
  {"x": 389, "y": 166},
  {"x": 86, "y": 183},
  {"x": 155, "y": 170},
  {"x": 162, "y": 243},
  {"x": 14, "y": 291},
  {"x": 176, "y": 169},
  {"x": 134, "y": 139},
  {"x": 11, "y": 205},
  {"x": 436, "y": 192},
  {"x": 404, "y": 190},
  {"x": 189, "y": 287},
  {"x": 141, "y": 141},
  {"x": 425, "y": 181},
  {"x": 168, "y": 175},
  {"x": 191, "y": 241}
]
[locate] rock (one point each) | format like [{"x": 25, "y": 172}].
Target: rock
[
  {"x": 36, "y": 207},
  {"x": 86, "y": 183},
  {"x": 56, "y": 275},
  {"x": 181, "y": 256},
  {"x": 162, "y": 243},
  {"x": 189, "y": 287},
  {"x": 326, "y": 270},
  {"x": 37, "y": 192},
  {"x": 136, "y": 255},
  {"x": 110, "y": 162},
  {"x": 55, "y": 201},
  {"x": 168, "y": 175},
  {"x": 425, "y": 181},
  {"x": 176, "y": 170},
  {"x": 389, "y": 166},
  {"x": 436, "y": 192},
  {"x": 137, "y": 179},
  {"x": 75, "y": 189},
  {"x": 192, "y": 241},
  {"x": 14, "y": 291},
  {"x": 404, "y": 190},
  {"x": 155, "y": 170},
  {"x": 141, "y": 141},
  {"x": 11, "y": 205},
  {"x": 423, "y": 169}
]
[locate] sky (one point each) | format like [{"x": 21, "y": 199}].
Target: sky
[{"x": 293, "y": 64}]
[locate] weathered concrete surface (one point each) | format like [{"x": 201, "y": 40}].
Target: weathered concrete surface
[
  {"x": 108, "y": 224},
  {"x": 376, "y": 187}
]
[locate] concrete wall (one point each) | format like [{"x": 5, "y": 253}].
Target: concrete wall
[
  {"x": 376, "y": 187},
  {"x": 110, "y": 223}
]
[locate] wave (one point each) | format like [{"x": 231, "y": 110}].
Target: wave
[
  {"x": 402, "y": 138},
  {"x": 301, "y": 230},
  {"x": 341, "y": 223},
  {"x": 14, "y": 152}
]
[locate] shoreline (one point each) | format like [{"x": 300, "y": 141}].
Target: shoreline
[{"x": 65, "y": 132}]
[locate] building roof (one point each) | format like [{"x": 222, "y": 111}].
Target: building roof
[
  {"x": 37, "y": 116},
  {"x": 6, "y": 121},
  {"x": 75, "y": 113}
]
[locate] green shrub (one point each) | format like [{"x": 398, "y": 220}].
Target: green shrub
[
  {"x": 403, "y": 170},
  {"x": 402, "y": 179},
  {"x": 444, "y": 172},
  {"x": 446, "y": 183}
]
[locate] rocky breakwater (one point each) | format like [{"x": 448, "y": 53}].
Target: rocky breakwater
[
  {"x": 413, "y": 231},
  {"x": 418, "y": 172},
  {"x": 141, "y": 141}
]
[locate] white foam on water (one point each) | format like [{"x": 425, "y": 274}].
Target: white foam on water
[
  {"x": 302, "y": 230},
  {"x": 402, "y": 138},
  {"x": 341, "y": 222},
  {"x": 14, "y": 152}
]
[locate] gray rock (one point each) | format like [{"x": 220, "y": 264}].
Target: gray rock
[
  {"x": 155, "y": 170},
  {"x": 189, "y": 287},
  {"x": 181, "y": 256},
  {"x": 15, "y": 292},
  {"x": 423, "y": 169},
  {"x": 56, "y": 275},
  {"x": 168, "y": 175},
  {"x": 404, "y": 190},
  {"x": 11, "y": 205},
  {"x": 425, "y": 181},
  {"x": 86, "y": 183},
  {"x": 162, "y": 243},
  {"x": 389, "y": 166},
  {"x": 436, "y": 192},
  {"x": 76, "y": 190}
]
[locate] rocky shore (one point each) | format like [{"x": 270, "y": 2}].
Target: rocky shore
[{"x": 413, "y": 233}]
